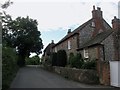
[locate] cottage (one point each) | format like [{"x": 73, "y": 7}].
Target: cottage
[
  {"x": 48, "y": 50},
  {"x": 95, "y": 40},
  {"x": 76, "y": 39}
]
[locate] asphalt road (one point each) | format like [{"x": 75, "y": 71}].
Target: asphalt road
[{"x": 35, "y": 77}]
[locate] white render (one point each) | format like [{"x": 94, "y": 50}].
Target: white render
[{"x": 115, "y": 73}]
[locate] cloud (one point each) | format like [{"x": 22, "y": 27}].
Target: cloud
[{"x": 64, "y": 15}]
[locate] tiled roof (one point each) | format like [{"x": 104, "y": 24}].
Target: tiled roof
[
  {"x": 97, "y": 39},
  {"x": 73, "y": 32}
]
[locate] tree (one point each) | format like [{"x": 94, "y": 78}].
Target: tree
[
  {"x": 25, "y": 37},
  {"x": 6, "y": 4},
  {"x": 4, "y": 20},
  {"x": 22, "y": 34},
  {"x": 35, "y": 60}
]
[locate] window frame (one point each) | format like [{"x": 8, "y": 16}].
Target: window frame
[
  {"x": 86, "y": 53},
  {"x": 69, "y": 44}
]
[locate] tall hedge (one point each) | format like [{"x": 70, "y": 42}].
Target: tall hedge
[
  {"x": 54, "y": 59},
  {"x": 9, "y": 66},
  {"x": 61, "y": 58}
]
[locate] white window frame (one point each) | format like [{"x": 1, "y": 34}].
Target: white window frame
[
  {"x": 86, "y": 53},
  {"x": 69, "y": 44},
  {"x": 55, "y": 49},
  {"x": 93, "y": 24}
]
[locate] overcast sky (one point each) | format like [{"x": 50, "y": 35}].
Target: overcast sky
[{"x": 55, "y": 17}]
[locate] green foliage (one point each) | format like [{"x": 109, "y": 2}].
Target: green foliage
[
  {"x": 75, "y": 61},
  {"x": 61, "y": 58},
  {"x": 54, "y": 59},
  {"x": 9, "y": 66},
  {"x": 6, "y": 4},
  {"x": 89, "y": 64},
  {"x": 35, "y": 60},
  {"x": 22, "y": 33},
  {"x": 78, "y": 62},
  {"x": 71, "y": 58}
]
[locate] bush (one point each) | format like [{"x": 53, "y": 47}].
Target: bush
[
  {"x": 9, "y": 66},
  {"x": 90, "y": 64},
  {"x": 61, "y": 58},
  {"x": 71, "y": 59},
  {"x": 75, "y": 61},
  {"x": 54, "y": 59},
  {"x": 35, "y": 60}
]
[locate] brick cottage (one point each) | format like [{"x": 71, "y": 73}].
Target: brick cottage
[{"x": 95, "y": 40}]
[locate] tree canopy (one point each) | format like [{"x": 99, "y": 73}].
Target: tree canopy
[{"x": 23, "y": 35}]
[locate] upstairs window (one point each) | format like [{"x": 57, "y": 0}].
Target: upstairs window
[
  {"x": 93, "y": 24},
  {"x": 69, "y": 44},
  {"x": 55, "y": 49},
  {"x": 86, "y": 53}
]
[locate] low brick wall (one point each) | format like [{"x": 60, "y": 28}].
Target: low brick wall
[{"x": 81, "y": 75}]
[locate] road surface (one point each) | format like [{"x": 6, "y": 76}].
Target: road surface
[{"x": 35, "y": 77}]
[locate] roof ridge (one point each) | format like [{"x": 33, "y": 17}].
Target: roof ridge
[{"x": 74, "y": 31}]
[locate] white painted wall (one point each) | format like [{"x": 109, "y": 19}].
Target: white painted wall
[{"x": 115, "y": 73}]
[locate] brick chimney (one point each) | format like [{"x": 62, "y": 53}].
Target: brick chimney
[
  {"x": 96, "y": 13},
  {"x": 52, "y": 41},
  {"x": 116, "y": 23},
  {"x": 69, "y": 31},
  {"x": 116, "y": 37},
  {"x": 97, "y": 20}
]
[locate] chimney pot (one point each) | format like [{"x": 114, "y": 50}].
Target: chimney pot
[
  {"x": 115, "y": 17},
  {"x": 98, "y": 8},
  {"x": 52, "y": 41},
  {"x": 97, "y": 13},
  {"x": 116, "y": 23},
  {"x": 93, "y": 7},
  {"x": 69, "y": 31}
]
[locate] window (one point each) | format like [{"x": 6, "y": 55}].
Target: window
[
  {"x": 93, "y": 24},
  {"x": 86, "y": 53},
  {"x": 69, "y": 47},
  {"x": 55, "y": 49}
]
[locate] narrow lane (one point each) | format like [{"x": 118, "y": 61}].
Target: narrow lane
[{"x": 35, "y": 77}]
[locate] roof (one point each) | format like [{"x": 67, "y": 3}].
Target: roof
[
  {"x": 73, "y": 32},
  {"x": 97, "y": 39},
  {"x": 48, "y": 46}
]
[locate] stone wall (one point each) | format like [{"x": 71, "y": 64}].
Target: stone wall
[
  {"x": 109, "y": 48},
  {"x": 80, "y": 75},
  {"x": 64, "y": 45}
]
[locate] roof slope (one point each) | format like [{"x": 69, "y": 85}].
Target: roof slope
[
  {"x": 97, "y": 39},
  {"x": 73, "y": 32}
]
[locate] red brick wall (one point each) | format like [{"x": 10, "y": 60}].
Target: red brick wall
[{"x": 103, "y": 68}]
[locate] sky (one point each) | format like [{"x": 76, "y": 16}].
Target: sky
[{"x": 55, "y": 17}]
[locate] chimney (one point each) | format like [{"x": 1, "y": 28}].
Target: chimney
[
  {"x": 52, "y": 42},
  {"x": 115, "y": 23},
  {"x": 97, "y": 13},
  {"x": 69, "y": 31},
  {"x": 97, "y": 21}
]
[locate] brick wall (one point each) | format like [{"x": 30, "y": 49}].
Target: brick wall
[{"x": 103, "y": 68}]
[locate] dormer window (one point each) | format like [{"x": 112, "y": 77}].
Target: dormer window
[{"x": 93, "y": 24}]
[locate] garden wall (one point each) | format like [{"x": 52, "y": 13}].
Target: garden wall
[{"x": 81, "y": 75}]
